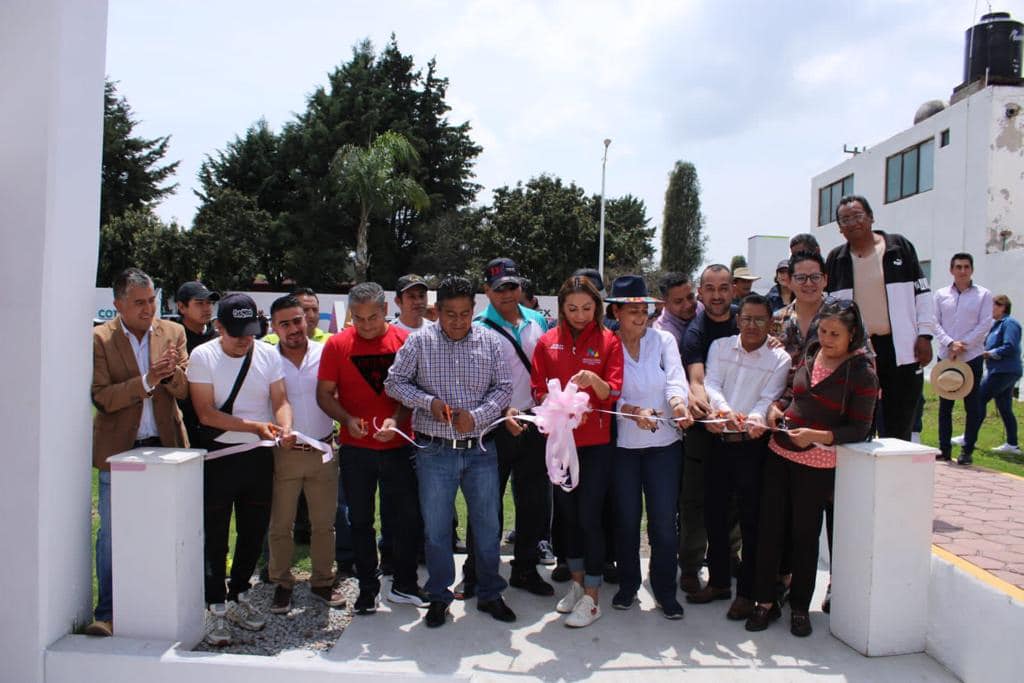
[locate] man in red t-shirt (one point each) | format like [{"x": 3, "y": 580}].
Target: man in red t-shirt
[{"x": 350, "y": 388}]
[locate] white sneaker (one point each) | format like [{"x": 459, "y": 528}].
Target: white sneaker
[
  {"x": 585, "y": 613},
  {"x": 957, "y": 440},
  {"x": 1007, "y": 448},
  {"x": 568, "y": 603},
  {"x": 245, "y": 615},
  {"x": 546, "y": 556},
  {"x": 219, "y": 634}
]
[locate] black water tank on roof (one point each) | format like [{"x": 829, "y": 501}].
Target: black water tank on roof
[{"x": 994, "y": 43}]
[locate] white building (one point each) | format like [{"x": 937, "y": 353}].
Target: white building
[{"x": 954, "y": 182}]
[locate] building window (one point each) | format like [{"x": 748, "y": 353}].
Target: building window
[
  {"x": 910, "y": 172},
  {"x": 944, "y": 138},
  {"x": 829, "y": 196}
]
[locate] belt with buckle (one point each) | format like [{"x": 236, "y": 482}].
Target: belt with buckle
[
  {"x": 151, "y": 441},
  {"x": 456, "y": 444},
  {"x": 739, "y": 437},
  {"x": 299, "y": 446}
]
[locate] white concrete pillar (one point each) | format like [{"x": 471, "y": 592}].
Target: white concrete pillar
[
  {"x": 156, "y": 513},
  {"x": 882, "y": 546},
  {"x": 52, "y": 56}
]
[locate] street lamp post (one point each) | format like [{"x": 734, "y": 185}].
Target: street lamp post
[{"x": 600, "y": 246}]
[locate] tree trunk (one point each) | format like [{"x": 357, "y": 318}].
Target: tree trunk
[{"x": 362, "y": 263}]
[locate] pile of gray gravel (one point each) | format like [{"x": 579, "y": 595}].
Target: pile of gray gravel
[{"x": 310, "y": 625}]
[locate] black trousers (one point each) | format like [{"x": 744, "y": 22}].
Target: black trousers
[
  {"x": 362, "y": 470},
  {"x": 520, "y": 458},
  {"x": 733, "y": 469},
  {"x": 582, "y": 510},
  {"x": 243, "y": 482},
  {"x": 792, "y": 500},
  {"x": 901, "y": 390}
]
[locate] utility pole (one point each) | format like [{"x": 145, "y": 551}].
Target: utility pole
[{"x": 600, "y": 246}]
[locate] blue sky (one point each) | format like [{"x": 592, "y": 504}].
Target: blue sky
[{"x": 760, "y": 96}]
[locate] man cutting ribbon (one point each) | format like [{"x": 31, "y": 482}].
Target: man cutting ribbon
[
  {"x": 238, "y": 391},
  {"x": 453, "y": 377}
]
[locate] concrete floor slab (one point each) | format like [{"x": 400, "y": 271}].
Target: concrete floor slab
[{"x": 634, "y": 645}]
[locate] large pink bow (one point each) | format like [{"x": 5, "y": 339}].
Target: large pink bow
[{"x": 559, "y": 414}]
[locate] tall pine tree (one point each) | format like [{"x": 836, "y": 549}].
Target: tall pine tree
[
  {"x": 133, "y": 180},
  {"x": 682, "y": 228}
]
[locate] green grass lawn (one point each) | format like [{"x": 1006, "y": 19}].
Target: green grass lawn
[{"x": 991, "y": 435}]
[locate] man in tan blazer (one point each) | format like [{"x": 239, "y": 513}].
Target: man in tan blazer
[{"x": 138, "y": 371}]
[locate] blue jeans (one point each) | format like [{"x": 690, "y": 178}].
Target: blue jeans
[
  {"x": 105, "y": 600},
  {"x": 654, "y": 474},
  {"x": 441, "y": 471},
  {"x": 999, "y": 386},
  {"x": 972, "y": 406}
]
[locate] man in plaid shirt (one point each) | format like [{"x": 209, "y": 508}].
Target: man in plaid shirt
[{"x": 454, "y": 379}]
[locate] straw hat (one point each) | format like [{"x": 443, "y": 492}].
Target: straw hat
[{"x": 952, "y": 379}]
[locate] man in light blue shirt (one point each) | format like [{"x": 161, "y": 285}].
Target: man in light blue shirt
[{"x": 963, "y": 316}]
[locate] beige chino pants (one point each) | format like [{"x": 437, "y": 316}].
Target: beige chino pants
[{"x": 297, "y": 471}]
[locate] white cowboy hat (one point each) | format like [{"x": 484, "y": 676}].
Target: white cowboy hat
[{"x": 952, "y": 379}]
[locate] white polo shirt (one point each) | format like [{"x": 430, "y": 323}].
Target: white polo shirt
[{"x": 300, "y": 383}]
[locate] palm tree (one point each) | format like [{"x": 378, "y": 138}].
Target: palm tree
[{"x": 371, "y": 176}]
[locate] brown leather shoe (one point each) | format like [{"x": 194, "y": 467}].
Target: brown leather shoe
[
  {"x": 740, "y": 609},
  {"x": 707, "y": 594},
  {"x": 100, "y": 628},
  {"x": 689, "y": 583}
]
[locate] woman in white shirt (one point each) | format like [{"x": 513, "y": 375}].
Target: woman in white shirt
[{"x": 648, "y": 459}]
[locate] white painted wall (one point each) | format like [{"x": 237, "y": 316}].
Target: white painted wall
[
  {"x": 978, "y": 190},
  {"x": 763, "y": 254},
  {"x": 973, "y": 627},
  {"x": 51, "y": 105}
]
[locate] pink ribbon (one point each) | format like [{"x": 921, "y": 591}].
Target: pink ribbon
[{"x": 559, "y": 414}]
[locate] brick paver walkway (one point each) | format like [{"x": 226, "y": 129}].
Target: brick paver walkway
[{"x": 979, "y": 516}]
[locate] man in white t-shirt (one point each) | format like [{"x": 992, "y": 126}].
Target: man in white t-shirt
[
  {"x": 240, "y": 482},
  {"x": 411, "y": 300}
]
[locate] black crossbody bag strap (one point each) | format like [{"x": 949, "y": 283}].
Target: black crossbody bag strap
[
  {"x": 229, "y": 404},
  {"x": 504, "y": 333},
  {"x": 208, "y": 435}
]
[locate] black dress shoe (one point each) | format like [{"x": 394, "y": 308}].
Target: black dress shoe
[
  {"x": 800, "y": 624},
  {"x": 561, "y": 573},
  {"x": 531, "y": 581},
  {"x": 465, "y": 590},
  {"x": 943, "y": 456},
  {"x": 965, "y": 459},
  {"x": 497, "y": 609},
  {"x": 762, "y": 616},
  {"x": 436, "y": 614}
]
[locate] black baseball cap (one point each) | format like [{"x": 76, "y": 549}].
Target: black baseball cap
[
  {"x": 593, "y": 275},
  {"x": 195, "y": 290},
  {"x": 238, "y": 315},
  {"x": 410, "y": 280},
  {"x": 500, "y": 272}
]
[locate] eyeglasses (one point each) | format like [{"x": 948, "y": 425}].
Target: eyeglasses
[
  {"x": 801, "y": 278},
  {"x": 852, "y": 218},
  {"x": 747, "y": 321}
]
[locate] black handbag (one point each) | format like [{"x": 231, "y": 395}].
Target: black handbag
[{"x": 208, "y": 435}]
